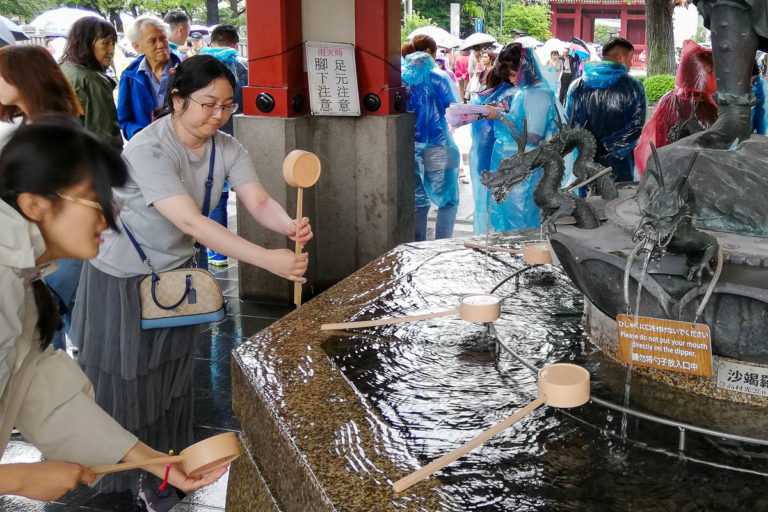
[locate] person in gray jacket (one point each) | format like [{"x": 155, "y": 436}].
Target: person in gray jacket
[{"x": 55, "y": 200}]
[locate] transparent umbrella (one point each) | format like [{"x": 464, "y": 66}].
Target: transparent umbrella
[
  {"x": 477, "y": 41},
  {"x": 442, "y": 37},
  {"x": 60, "y": 20}
]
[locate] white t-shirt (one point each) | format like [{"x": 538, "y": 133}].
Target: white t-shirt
[{"x": 160, "y": 166}]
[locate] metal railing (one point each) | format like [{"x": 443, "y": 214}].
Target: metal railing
[{"x": 682, "y": 427}]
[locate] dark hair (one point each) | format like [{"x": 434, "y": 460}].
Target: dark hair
[
  {"x": 191, "y": 75},
  {"x": 617, "y": 42},
  {"x": 407, "y": 49},
  {"x": 176, "y": 18},
  {"x": 423, "y": 43},
  {"x": 755, "y": 69},
  {"x": 225, "y": 34},
  {"x": 40, "y": 82},
  {"x": 554, "y": 52},
  {"x": 508, "y": 60},
  {"x": 490, "y": 54},
  {"x": 31, "y": 163},
  {"x": 82, "y": 36}
]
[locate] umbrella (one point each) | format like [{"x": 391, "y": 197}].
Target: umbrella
[
  {"x": 442, "y": 37},
  {"x": 553, "y": 45},
  {"x": 581, "y": 51},
  {"x": 6, "y": 36},
  {"x": 200, "y": 29},
  {"x": 528, "y": 42},
  {"x": 16, "y": 30},
  {"x": 60, "y": 20},
  {"x": 476, "y": 41}
]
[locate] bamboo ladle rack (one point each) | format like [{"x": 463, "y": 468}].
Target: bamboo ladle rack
[
  {"x": 301, "y": 169},
  {"x": 560, "y": 385}
]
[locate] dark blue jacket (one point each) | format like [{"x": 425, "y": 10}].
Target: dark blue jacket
[
  {"x": 134, "y": 99},
  {"x": 610, "y": 104}
]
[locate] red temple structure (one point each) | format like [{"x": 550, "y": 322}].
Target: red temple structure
[{"x": 576, "y": 18}]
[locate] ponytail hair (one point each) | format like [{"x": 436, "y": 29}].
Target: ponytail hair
[{"x": 191, "y": 75}]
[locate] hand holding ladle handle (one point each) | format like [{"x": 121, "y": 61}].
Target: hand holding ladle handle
[
  {"x": 385, "y": 321},
  {"x": 299, "y": 247},
  {"x": 420, "y": 474},
  {"x": 113, "y": 468}
]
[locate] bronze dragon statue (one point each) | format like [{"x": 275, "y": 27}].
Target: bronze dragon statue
[{"x": 554, "y": 201}]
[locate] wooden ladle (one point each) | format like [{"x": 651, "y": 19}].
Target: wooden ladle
[
  {"x": 301, "y": 169},
  {"x": 560, "y": 385},
  {"x": 536, "y": 253},
  {"x": 196, "y": 460},
  {"x": 477, "y": 308}
]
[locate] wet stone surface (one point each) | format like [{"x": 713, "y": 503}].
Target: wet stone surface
[{"x": 342, "y": 415}]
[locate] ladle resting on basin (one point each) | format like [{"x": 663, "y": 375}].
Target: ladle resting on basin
[
  {"x": 560, "y": 385},
  {"x": 196, "y": 460},
  {"x": 477, "y": 308},
  {"x": 301, "y": 169},
  {"x": 536, "y": 253}
]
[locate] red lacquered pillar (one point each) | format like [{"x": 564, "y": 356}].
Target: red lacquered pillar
[
  {"x": 277, "y": 83},
  {"x": 377, "y": 33}
]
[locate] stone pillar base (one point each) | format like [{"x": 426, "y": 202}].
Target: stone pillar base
[{"x": 361, "y": 207}]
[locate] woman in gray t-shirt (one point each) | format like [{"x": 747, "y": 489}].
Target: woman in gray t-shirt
[{"x": 143, "y": 378}]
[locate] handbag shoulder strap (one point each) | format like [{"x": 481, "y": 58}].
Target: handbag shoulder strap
[
  {"x": 205, "y": 211},
  {"x": 209, "y": 181}
]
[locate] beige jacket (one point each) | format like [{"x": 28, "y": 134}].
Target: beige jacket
[{"x": 43, "y": 393}]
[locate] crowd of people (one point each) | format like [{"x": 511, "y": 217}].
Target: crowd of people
[
  {"x": 81, "y": 178},
  {"x": 599, "y": 96}
]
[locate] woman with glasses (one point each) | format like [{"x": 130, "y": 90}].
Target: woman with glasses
[
  {"x": 55, "y": 201},
  {"x": 143, "y": 378}
]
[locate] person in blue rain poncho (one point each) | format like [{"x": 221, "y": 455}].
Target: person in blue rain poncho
[
  {"x": 759, "y": 109},
  {"x": 500, "y": 92},
  {"x": 429, "y": 92},
  {"x": 534, "y": 103},
  {"x": 611, "y": 105}
]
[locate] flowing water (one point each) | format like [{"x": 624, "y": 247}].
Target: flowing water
[{"x": 440, "y": 382}]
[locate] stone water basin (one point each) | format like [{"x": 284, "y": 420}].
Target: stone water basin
[{"x": 331, "y": 419}]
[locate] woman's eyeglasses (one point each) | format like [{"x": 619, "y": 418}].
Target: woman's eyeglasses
[
  {"x": 215, "y": 108},
  {"x": 80, "y": 200}
]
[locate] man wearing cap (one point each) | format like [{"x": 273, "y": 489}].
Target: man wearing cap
[{"x": 197, "y": 43}]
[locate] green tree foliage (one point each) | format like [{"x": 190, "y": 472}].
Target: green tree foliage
[
  {"x": 26, "y": 10},
  {"x": 658, "y": 85},
  {"x": 602, "y": 33},
  {"x": 701, "y": 34},
  {"x": 412, "y": 22},
  {"x": 533, "y": 19}
]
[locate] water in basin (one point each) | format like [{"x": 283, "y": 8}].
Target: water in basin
[{"x": 442, "y": 381}]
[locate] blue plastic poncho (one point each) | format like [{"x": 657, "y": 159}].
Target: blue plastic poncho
[
  {"x": 483, "y": 139},
  {"x": 611, "y": 105},
  {"x": 760, "y": 110},
  {"x": 429, "y": 93},
  {"x": 536, "y": 103}
]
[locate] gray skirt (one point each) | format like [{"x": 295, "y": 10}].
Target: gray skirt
[{"x": 142, "y": 378}]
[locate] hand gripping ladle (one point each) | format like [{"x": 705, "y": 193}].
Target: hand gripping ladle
[
  {"x": 196, "y": 459},
  {"x": 477, "y": 308},
  {"x": 560, "y": 385},
  {"x": 301, "y": 169}
]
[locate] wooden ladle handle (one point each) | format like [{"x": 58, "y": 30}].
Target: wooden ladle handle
[
  {"x": 494, "y": 249},
  {"x": 113, "y": 468},
  {"x": 385, "y": 321},
  {"x": 299, "y": 208},
  {"x": 467, "y": 447}
]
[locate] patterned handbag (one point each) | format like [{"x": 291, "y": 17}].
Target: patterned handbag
[{"x": 184, "y": 296}]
